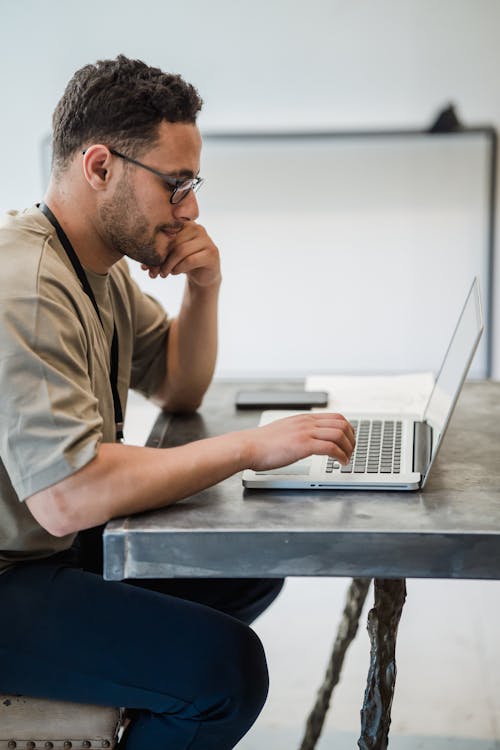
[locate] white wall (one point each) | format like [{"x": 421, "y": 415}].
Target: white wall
[{"x": 268, "y": 64}]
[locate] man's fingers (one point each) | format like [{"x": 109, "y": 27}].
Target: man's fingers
[
  {"x": 325, "y": 419},
  {"x": 331, "y": 433},
  {"x": 327, "y": 448},
  {"x": 153, "y": 271},
  {"x": 316, "y": 421},
  {"x": 183, "y": 251},
  {"x": 190, "y": 263},
  {"x": 334, "y": 437}
]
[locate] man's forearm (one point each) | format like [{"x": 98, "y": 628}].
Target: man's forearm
[
  {"x": 127, "y": 479},
  {"x": 191, "y": 350}
]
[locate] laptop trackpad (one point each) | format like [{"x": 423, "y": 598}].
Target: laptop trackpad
[{"x": 299, "y": 468}]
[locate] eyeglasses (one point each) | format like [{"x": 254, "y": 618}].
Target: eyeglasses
[{"x": 179, "y": 188}]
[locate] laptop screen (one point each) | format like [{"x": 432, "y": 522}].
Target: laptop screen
[{"x": 454, "y": 369}]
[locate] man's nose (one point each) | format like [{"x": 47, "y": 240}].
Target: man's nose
[{"x": 188, "y": 208}]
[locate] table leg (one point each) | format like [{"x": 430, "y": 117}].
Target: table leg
[
  {"x": 347, "y": 630},
  {"x": 383, "y": 621}
]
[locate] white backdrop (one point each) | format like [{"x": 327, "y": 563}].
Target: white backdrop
[
  {"x": 350, "y": 255},
  {"x": 287, "y": 65}
]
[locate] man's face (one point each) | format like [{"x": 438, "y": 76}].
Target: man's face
[{"x": 138, "y": 220}]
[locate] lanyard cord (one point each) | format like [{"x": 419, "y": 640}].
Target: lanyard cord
[{"x": 75, "y": 262}]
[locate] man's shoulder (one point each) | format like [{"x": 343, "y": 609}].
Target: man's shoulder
[
  {"x": 26, "y": 225},
  {"x": 22, "y": 240},
  {"x": 30, "y": 256}
]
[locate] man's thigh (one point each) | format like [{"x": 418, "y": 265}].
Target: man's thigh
[
  {"x": 243, "y": 598},
  {"x": 66, "y": 633}
]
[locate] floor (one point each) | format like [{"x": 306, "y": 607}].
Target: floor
[
  {"x": 448, "y": 683},
  {"x": 448, "y": 656}
]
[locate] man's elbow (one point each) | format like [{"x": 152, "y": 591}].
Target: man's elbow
[
  {"x": 182, "y": 406},
  {"x": 179, "y": 403},
  {"x": 50, "y": 509}
]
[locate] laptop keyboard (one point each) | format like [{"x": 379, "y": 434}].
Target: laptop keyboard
[{"x": 378, "y": 448}]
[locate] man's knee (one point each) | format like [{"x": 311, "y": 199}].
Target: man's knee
[
  {"x": 253, "y": 678},
  {"x": 235, "y": 683}
]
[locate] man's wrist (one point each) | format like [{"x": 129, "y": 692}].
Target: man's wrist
[
  {"x": 205, "y": 289},
  {"x": 246, "y": 448}
]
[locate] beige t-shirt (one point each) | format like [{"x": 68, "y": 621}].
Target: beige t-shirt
[{"x": 56, "y": 404}]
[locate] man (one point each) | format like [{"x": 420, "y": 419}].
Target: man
[{"x": 75, "y": 334}]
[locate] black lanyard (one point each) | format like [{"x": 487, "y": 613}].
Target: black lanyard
[{"x": 75, "y": 262}]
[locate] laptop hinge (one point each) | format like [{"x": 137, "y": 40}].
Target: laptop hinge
[{"x": 422, "y": 446}]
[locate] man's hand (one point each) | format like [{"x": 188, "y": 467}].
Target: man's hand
[
  {"x": 292, "y": 438},
  {"x": 191, "y": 252}
]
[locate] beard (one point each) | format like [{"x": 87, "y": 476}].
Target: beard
[{"x": 126, "y": 230}]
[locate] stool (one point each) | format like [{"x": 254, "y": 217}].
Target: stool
[{"x": 39, "y": 724}]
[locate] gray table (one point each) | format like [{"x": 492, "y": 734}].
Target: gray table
[{"x": 450, "y": 530}]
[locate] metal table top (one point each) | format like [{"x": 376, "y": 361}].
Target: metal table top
[{"x": 449, "y": 530}]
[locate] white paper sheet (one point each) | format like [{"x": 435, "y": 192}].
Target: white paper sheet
[{"x": 407, "y": 394}]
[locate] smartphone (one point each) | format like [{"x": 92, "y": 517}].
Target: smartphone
[{"x": 270, "y": 399}]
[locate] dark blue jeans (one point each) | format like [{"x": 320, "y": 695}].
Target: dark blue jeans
[{"x": 178, "y": 652}]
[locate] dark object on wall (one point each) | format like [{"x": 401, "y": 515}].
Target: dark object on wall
[{"x": 447, "y": 121}]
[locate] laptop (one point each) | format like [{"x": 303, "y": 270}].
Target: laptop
[{"x": 393, "y": 451}]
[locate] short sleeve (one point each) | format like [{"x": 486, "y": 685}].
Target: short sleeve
[{"x": 51, "y": 425}]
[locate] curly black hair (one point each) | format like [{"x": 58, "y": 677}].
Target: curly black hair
[{"x": 120, "y": 102}]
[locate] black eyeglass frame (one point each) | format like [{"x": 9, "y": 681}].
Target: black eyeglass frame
[{"x": 180, "y": 187}]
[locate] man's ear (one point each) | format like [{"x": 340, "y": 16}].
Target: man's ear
[{"x": 97, "y": 166}]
